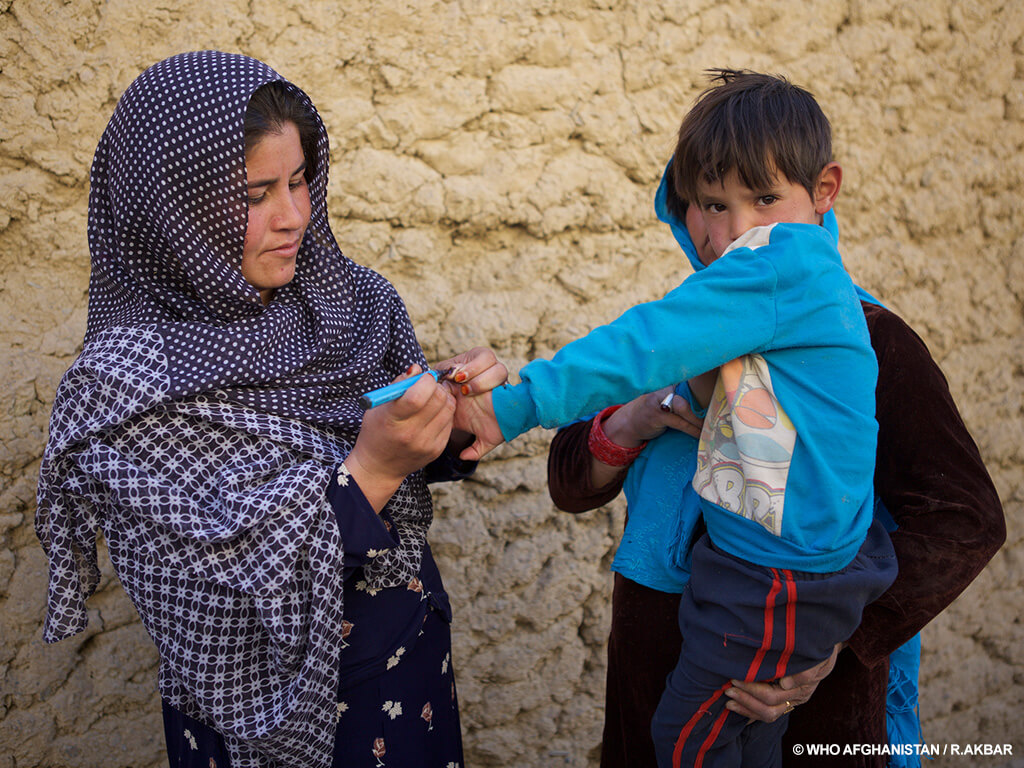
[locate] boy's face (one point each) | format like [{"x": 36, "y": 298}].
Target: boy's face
[{"x": 730, "y": 207}]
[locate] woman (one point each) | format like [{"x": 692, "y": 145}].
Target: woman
[{"x": 272, "y": 538}]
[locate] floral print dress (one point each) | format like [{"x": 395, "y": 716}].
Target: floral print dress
[{"x": 396, "y": 703}]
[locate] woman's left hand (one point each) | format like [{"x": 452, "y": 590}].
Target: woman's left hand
[
  {"x": 474, "y": 372},
  {"x": 770, "y": 701}
]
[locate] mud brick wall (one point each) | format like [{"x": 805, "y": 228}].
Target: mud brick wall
[{"x": 497, "y": 161}]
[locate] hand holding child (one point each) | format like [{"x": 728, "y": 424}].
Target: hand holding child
[
  {"x": 644, "y": 418},
  {"x": 770, "y": 701}
]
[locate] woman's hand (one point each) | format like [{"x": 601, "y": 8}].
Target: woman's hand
[
  {"x": 399, "y": 437},
  {"x": 476, "y": 372},
  {"x": 643, "y": 419},
  {"x": 770, "y": 701}
]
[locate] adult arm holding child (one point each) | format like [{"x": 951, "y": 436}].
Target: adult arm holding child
[{"x": 931, "y": 478}]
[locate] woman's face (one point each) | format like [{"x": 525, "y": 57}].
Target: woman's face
[{"x": 278, "y": 210}]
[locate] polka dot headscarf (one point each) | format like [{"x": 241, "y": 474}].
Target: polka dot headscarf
[{"x": 199, "y": 428}]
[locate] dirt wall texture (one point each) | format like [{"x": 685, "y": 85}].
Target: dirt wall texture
[{"x": 497, "y": 161}]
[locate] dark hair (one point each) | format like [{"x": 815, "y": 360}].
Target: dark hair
[
  {"x": 270, "y": 107},
  {"x": 761, "y": 125}
]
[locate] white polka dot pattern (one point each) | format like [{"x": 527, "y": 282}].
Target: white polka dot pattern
[{"x": 199, "y": 429}]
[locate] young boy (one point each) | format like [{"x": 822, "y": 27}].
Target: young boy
[{"x": 786, "y": 455}]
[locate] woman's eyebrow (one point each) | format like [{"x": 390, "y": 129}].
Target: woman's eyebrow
[{"x": 268, "y": 182}]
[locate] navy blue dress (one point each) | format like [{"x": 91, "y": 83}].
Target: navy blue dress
[{"x": 397, "y": 704}]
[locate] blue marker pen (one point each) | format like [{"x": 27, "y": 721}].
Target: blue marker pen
[{"x": 376, "y": 397}]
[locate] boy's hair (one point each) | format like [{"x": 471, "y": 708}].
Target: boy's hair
[{"x": 761, "y": 125}]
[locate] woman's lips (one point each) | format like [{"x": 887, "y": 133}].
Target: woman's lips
[{"x": 287, "y": 251}]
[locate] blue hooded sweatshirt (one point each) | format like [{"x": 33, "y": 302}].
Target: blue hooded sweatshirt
[{"x": 786, "y": 459}]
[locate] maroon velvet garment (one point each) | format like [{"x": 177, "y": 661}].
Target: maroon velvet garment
[{"x": 930, "y": 477}]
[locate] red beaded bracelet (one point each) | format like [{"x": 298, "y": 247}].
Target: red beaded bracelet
[{"x": 604, "y": 450}]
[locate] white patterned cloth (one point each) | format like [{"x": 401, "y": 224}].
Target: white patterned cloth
[{"x": 198, "y": 429}]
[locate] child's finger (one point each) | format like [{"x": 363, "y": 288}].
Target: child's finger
[
  {"x": 480, "y": 448},
  {"x": 474, "y": 452}
]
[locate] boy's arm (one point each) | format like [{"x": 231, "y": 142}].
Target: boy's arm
[{"x": 718, "y": 314}]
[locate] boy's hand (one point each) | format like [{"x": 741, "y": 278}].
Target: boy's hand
[
  {"x": 474, "y": 414},
  {"x": 474, "y": 372}
]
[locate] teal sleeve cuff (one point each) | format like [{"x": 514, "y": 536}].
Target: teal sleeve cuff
[{"x": 514, "y": 409}]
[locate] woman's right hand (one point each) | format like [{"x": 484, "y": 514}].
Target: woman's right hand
[{"x": 399, "y": 437}]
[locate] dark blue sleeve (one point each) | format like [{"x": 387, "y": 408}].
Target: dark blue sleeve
[{"x": 364, "y": 533}]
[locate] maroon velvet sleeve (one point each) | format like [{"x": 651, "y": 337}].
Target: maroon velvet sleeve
[
  {"x": 930, "y": 476},
  {"x": 569, "y": 481}
]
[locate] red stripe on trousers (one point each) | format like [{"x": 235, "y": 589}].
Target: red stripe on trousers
[
  {"x": 715, "y": 730},
  {"x": 787, "y": 652},
  {"x": 755, "y": 664},
  {"x": 769, "y": 618},
  {"x": 702, "y": 710}
]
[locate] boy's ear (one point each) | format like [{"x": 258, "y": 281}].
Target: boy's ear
[{"x": 826, "y": 188}]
